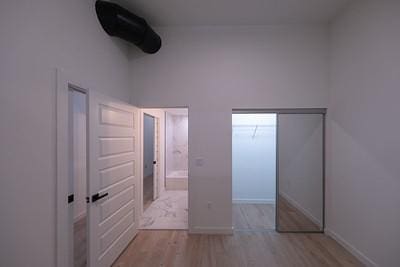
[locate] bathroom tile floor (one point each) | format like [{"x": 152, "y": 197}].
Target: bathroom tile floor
[{"x": 169, "y": 211}]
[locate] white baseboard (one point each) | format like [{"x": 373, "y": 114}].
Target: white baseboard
[
  {"x": 356, "y": 253},
  {"x": 295, "y": 204},
  {"x": 253, "y": 201},
  {"x": 211, "y": 230}
]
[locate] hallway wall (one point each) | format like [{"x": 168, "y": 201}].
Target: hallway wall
[
  {"x": 363, "y": 187},
  {"x": 36, "y": 38}
]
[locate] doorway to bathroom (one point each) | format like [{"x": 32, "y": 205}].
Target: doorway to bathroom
[{"x": 168, "y": 195}]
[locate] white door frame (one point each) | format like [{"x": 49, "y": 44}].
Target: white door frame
[
  {"x": 63, "y": 230},
  {"x": 162, "y": 133},
  {"x": 157, "y": 158}
]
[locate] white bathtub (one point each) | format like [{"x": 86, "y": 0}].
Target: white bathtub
[{"x": 177, "y": 180}]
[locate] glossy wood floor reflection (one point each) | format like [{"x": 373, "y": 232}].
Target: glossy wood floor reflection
[
  {"x": 243, "y": 248},
  {"x": 292, "y": 219}
]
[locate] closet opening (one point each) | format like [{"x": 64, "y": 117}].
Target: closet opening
[
  {"x": 278, "y": 170},
  {"x": 254, "y": 170}
]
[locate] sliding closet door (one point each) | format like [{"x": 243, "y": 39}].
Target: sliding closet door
[{"x": 300, "y": 166}]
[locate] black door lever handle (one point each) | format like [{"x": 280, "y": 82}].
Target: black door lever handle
[
  {"x": 71, "y": 198},
  {"x": 97, "y": 196}
]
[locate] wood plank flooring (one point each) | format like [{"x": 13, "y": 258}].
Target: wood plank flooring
[
  {"x": 253, "y": 244},
  {"x": 243, "y": 248},
  {"x": 292, "y": 219},
  {"x": 253, "y": 216},
  {"x": 262, "y": 217}
]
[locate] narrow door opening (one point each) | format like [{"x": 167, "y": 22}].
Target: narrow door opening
[
  {"x": 254, "y": 171},
  {"x": 78, "y": 176},
  {"x": 148, "y": 160}
]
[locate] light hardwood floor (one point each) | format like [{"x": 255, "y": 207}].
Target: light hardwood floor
[
  {"x": 262, "y": 217},
  {"x": 292, "y": 219},
  {"x": 253, "y": 216},
  {"x": 243, "y": 248},
  {"x": 254, "y": 243}
]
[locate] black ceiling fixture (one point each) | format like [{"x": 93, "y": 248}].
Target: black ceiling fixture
[{"x": 119, "y": 22}]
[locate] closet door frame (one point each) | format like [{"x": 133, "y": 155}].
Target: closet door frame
[{"x": 317, "y": 111}]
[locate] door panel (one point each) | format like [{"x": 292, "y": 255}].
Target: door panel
[
  {"x": 112, "y": 146},
  {"x": 113, "y": 175},
  {"x": 113, "y": 131},
  {"x": 300, "y": 173}
]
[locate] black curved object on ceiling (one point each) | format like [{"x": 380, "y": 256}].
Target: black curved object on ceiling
[{"x": 119, "y": 22}]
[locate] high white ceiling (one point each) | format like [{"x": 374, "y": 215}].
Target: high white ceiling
[{"x": 233, "y": 12}]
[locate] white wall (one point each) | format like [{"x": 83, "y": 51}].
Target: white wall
[
  {"x": 364, "y": 183},
  {"x": 79, "y": 154},
  {"x": 148, "y": 145},
  {"x": 213, "y": 70},
  {"x": 37, "y": 37},
  {"x": 253, "y": 158},
  {"x": 300, "y": 138}
]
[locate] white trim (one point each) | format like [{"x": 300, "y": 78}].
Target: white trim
[
  {"x": 62, "y": 171},
  {"x": 63, "y": 234},
  {"x": 305, "y": 212},
  {"x": 141, "y": 159},
  {"x": 253, "y": 201},
  {"x": 211, "y": 230},
  {"x": 355, "y": 252}
]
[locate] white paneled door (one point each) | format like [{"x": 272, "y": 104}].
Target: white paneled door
[{"x": 113, "y": 179}]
